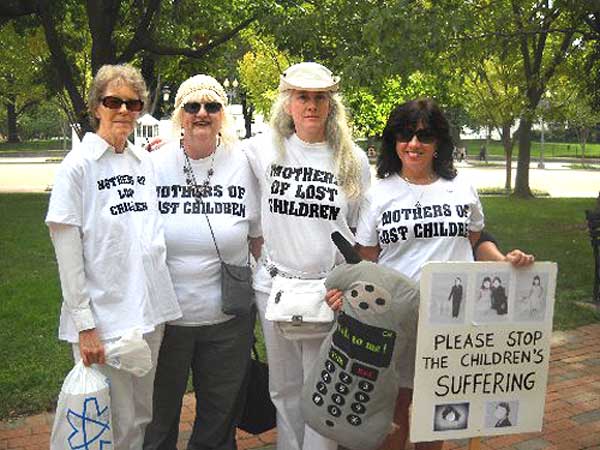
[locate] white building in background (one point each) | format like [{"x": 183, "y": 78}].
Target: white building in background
[
  {"x": 146, "y": 129},
  {"x": 258, "y": 124}
]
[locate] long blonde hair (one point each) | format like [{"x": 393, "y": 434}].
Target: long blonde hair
[{"x": 337, "y": 135}]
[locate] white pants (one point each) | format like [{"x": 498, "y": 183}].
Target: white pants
[
  {"x": 130, "y": 397},
  {"x": 289, "y": 364}
]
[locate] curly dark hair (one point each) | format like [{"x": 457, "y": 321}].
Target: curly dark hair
[{"x": 408, "y": 116}]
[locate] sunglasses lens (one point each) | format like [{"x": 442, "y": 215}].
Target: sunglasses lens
[
  {"x": 134, "y": 105},
  {"x": 192, "y": 108},
  {"x": 112, "y": 102},
  {"x": 425, "y": 136},
  {"x": 212, "y": 107},
  {"x": 404, "y": 136}
]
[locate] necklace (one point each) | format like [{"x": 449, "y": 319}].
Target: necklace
[
  {"x": 190, "y": 178},
  {"x": 430, "y": 179}
]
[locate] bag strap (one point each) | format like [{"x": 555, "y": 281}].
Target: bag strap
[{"x": 190, "y": 179}]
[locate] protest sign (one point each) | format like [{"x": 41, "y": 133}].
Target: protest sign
[{"x": 483, "y": 349}]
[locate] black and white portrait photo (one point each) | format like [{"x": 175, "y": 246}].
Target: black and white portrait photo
[
  {"x": 448, "y": 298},
  {"x": 491, "y": 298},
  {"x": 453, "y": 416},
  {"x": 531, "y": 301},
  {"x": 501, "y": 414}
]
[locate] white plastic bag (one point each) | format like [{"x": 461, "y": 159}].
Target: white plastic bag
[
  {"x": 83, "y": 414},
  {"x": 130, "y": 353}
]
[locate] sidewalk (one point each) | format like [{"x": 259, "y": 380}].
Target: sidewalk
[
  {"x": 571, "y": 422},
  {"x": 36, "y": 174}
]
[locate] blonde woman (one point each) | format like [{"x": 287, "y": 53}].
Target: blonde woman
[
  {"x": 312, "y": 178},
  {"x": 204, "y": 181}
]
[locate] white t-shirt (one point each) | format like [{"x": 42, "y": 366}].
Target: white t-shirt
[
  {"x": 111, "y": 197},
  {"x": 301, "y": 205},
  {"x": 410, "y": 236},
  {"x": 232, "y": 208}
]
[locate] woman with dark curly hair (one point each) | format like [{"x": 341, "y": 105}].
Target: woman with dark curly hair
[{"x": 420, "y": 211}]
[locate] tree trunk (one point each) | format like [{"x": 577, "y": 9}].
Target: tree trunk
[
  {"x": 63, "y": 67},
  {"x": 247, "y": 111},
  {"x": 153, "y": 81},
  {"x": 488, "y": 137},
  {"x": 102, "y": 16},
  {"x": 583, "y": 133},
  {"x": 522, "y": 181},
  {"x": 508, "y": 144},
  {"x": 11, "y": 120}
]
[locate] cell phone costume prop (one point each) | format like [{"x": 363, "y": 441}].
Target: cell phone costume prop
[{"x": 351, "y": 392}]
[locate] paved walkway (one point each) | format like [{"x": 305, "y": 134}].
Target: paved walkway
[
  {"x": 36, "y": 174},
  {"x": 571, "y": 422}
]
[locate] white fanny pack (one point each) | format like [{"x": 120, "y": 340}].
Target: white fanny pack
[{"x": 298, "y": 308}]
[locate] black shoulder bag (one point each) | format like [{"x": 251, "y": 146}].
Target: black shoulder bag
[{"x": 258, "y": 415}]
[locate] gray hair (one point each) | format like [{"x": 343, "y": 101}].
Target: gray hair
[
  {"x": 123, "y": 73},
  {"x": 337, "y": 135}
]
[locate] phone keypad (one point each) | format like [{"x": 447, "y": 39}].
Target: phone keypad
[{"x": 345, "y": 394}]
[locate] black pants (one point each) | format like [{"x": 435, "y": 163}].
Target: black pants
[
  {"x": 219, "y": 357},
  {"x": 456, "y": 306}
]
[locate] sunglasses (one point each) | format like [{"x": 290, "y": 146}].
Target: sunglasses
[
  {"x": 210, "y": 108},
  {"x": 425, "y": 136},
  {"x": 112, "y": 102}
]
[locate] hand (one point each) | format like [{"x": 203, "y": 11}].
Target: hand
[
  {"x": 91, "y": 348},
  {"x": 519, "y": 258},
  {"x": 154, "y": 144},
  {"x": 334, "y": 298}
]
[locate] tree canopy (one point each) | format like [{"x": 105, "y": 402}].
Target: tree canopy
[{"x": 486, "y": 62}]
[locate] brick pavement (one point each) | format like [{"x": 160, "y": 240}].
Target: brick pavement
[{"x": 571, "y": 421}]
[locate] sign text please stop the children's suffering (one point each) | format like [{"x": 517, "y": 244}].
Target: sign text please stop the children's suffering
[{"x": 483, "y": 349}]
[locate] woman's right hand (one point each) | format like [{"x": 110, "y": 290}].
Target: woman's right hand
[
  {"x": 91, "y": 348},
  {"x": 154, "y": 144},
  {"x": 334, "y": 298}
]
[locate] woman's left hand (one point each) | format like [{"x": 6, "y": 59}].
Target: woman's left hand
[
  {"x": 334, "y": 298},
  {"x": 519, "y": 258}
]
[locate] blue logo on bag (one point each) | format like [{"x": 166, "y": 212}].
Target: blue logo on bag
[{"x": 89, "y": 426}]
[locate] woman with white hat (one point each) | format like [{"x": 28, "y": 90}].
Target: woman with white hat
[
  {"x": 207, "y": 195},
  {"x": 312, "y": 178}
]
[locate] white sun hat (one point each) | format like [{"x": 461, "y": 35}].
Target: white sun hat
[{"x": 309, "y": 76}]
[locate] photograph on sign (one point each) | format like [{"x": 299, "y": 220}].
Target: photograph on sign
[
  {"x": 531, "y": 297},
  {"x": 447, "y": 302},
  {"x": 499, "y": 414},
  {"x": 482, "y": 369},
  {"x": 451, "y": 417},
  {"x": 491, "y": 300}
]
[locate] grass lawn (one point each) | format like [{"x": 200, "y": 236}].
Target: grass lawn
[
  {"x": 34, "y": 363},
  {"x": 41, "y": 145},
  {"x": 551, "y": 149}
]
